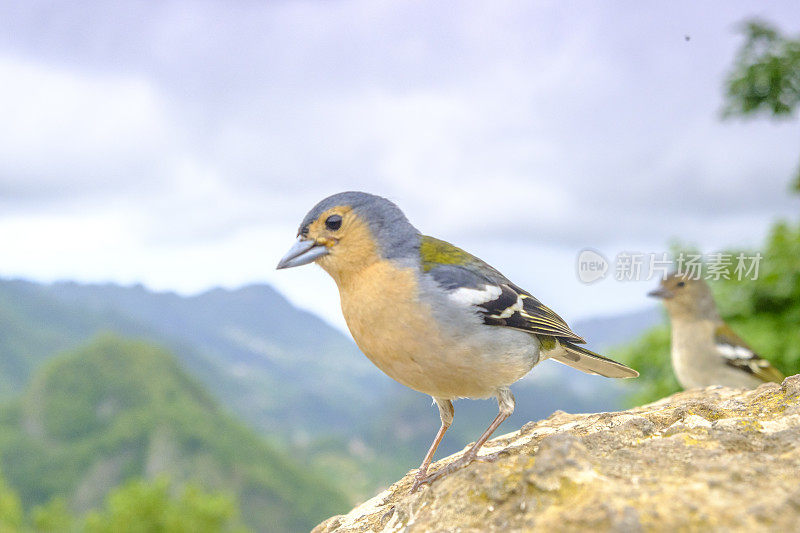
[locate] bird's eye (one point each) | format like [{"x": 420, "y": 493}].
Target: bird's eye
[
  {"x": 333, "y": 222},
  {"x": 681, "y": 284}
]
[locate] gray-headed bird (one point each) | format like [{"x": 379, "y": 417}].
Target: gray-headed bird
[
  {"x": 432, "y": 316},
  {"x": 705, "y": 350}
]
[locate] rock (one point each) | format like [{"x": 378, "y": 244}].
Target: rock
[{"x": 713, "y": 459}]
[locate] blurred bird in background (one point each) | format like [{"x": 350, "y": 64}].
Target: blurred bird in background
[
  {"x": 705, "y": 350},
  {"x": 432, "y": 316}
]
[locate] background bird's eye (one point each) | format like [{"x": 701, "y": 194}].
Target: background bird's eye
[
  {"x": 681, "y": 283},
  {"x": 333, "y": 222}
]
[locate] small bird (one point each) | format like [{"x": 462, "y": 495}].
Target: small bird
[
  {"x": 705, "y": 350},
  {"x": 432, "y": 316}
]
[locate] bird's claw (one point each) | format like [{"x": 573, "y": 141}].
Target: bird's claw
[
  {"x": 489, "y": 458},
  {"x": 423, "y": 478},
  {"x": 418, "y": 482}
]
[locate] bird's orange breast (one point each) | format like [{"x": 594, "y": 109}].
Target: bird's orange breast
[
  {"x": 398, "y": 332},
  {"x": 390, "y": 324}
]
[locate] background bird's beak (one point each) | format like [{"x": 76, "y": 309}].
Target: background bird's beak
[
  {"x": 660, "y": 293},
  {"x": 303, "y": 252}
]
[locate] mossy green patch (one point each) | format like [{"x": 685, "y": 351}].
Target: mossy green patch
[
  {"x": 690, "y": 440},
  {"x": 750, "y": 424},
  {"x": 434, "y": 252},
  {"x": 547, "y": 343}
]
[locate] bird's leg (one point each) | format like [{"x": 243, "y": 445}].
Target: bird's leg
[
  {"x": 505, "y": 402},
  {"x": 446, "y": 413}
]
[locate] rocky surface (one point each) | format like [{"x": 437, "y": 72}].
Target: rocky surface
[{"x": 713, "y": 459}]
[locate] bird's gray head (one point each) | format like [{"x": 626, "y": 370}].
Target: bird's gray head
[
  {"x": 350, "y": 229},
  {"x": 686, "y": 296}
]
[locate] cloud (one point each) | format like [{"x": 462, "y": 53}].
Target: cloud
[
  {"x": 68, "y": 133},
  {"x": 202, "y": 129}
]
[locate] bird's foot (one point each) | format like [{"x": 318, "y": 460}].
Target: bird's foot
[
  {"x": 420, "y": 479},
  {"x": 423, "y": 478},
  {"x": 489, "y": 458}
]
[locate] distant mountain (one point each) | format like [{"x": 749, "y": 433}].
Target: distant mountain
[
  {"x": 284, "y": 370},
  {"x": 117, "y": 409},
  {"x": 287, "y": 373}
]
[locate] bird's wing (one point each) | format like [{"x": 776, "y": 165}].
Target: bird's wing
[
  {"x": 736, "y": 353},
  {"x": 518, "y": 309},
  {"x": 471, "y": 282}
]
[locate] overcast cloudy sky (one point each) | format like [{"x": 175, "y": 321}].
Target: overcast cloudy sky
[{"x": 179, "y": 144}]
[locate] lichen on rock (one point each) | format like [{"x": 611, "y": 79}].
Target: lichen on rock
[{"x": 714, "y": 459}]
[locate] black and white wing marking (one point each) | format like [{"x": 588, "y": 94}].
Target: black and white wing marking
[
  {"x": 501, "y": 303},
  {"x": 736, "y": 353},
  {"x": 518, "y": 309}
]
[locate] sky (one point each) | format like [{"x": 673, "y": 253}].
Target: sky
[{"x": 179, "y": 144}]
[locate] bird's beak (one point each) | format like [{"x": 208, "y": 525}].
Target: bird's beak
[
  {"x": 662, "y": 293},
  {"x": 303, "y": 252}
]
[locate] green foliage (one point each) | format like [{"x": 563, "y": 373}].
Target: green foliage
[
  {"x": 650, "y": 355},
  {"x": 150, "y": 507},
  {"x": 764, "y": 311},
  {"x": 116, "y": 410},
  {"x": 766, "y": 73},
  {"x": 10, "y": 508},
  {"x": 54, "y": 517},
  {"x": 765, "y": 77},
  {"x": 137, "y": 506}
]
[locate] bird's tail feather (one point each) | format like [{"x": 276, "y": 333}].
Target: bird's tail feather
[{"x": 590, "y": 362}]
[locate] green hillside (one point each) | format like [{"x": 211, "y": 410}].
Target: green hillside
[
  {"x": 118, "y": 409},
  {"x": 283, "y": 371},
  {"x": 33, "y": 327}
]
